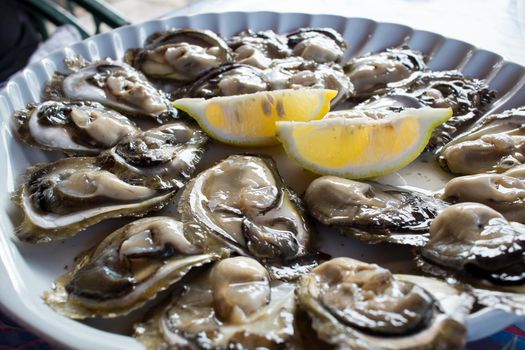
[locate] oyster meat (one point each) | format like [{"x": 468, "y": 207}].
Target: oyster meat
[
  {"x": 505, "y": 194},
  {"x": 180, "y": 55},
  {"x": 75, "y": 128},
  {"x": 495, "y": 143},
  {"x": 321, "y": 45},
  {"x": 160, "y": 158},
  {"x": 372, "y": 211},
  {"x": 60, "y": 199},
  {"x": 234, "y": 305},
  {"x": 372, "y": 72},
  {"x": 243, "y": 205},
  {"x": 258, "y": 49},
  {"x": 476, "y": 245},
  {"x": 129, "y": 267},
  {"x": 355, "y": 305},
  {"x": 113, "y": 84}
]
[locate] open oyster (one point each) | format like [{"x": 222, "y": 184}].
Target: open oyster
[
  {"x": 180, "y": 54},
  {"x": 76, "y": 128},
  {"x": 322, "y": 45},
  {"x": 241, "y": 204},
  {"x": 258, "y": 49},
  {"x": 234, "y": 305},
  {"x": 372, "y": 72},
  {"x": 372, "y": 211},
  {"x": 478, "y": 246},
  {"x": 113, "y": 84},
  {"x": 129, "y": 267},
  {"x": 160, "y": 158},
  {"x": 354, "y": 305},
  {"x": 495, "y": 143},
  {"x": 62, "y": 198},
  {"x": 467, "y": 97},
  {"x": 505, "y": 194}
]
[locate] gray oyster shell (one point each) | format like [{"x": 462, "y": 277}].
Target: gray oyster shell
[
  {"x": 234, "y": 305},
  {"x": 493, "y": 144},
  {"x": 62, "y": 198},
  {"x": 475, "y": 245},
  {"x": 160, "y": 158},
  {"x": 242, "y": 205},
  {"x": 115, "y": 85},
  {"x": 75, "y": 128},
  {"x": 129, "y": 267},
  {"x": 258, "y": 49},
  {"x": 354, "y": 305},
  {"x": 372, "y": 211},
  {"x": 180, "y": 55},
  {"x": 372, "y": 72},
  {"x": 321, "y": 45}
]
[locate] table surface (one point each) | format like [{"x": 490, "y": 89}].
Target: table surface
[{"x": 494, "y": 25}]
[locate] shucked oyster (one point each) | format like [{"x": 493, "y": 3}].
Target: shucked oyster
[
  {"x": 115, "y": 85},
  {"x": 242, "y": 204},
  {"x": 62, "y": 198},
  {"x": 180, "y": 54},
  {"x": 495, "y": 143},
  {"x": 359, "y": 306},
  {"x": 234, "y": 305},
  {"x": 477, "y": 245},
  {"x": 129, "y": 267},
  {"x": 467, "y": 97},
  {"x": 160, "y": 158},
  {"x": 322, "y": 45},
  {"x": 258, "y": 49},
  {"x": 76, "y": 128},
  {"x": 372, "y": 72},
  {"x": 505, "y": 194},
  {"x": 372, "y": 211}
]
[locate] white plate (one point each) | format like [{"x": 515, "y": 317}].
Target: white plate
[{"x": 27, "y": 270}]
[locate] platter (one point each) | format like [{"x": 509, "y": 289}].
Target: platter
[{"x": 27, "y": 270}]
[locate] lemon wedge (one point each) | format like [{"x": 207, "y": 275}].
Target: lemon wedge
[
  {"x": 249, "y": 120},
  {"x": 361, "y": 147}
]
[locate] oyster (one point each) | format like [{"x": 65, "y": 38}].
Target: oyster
[
  {"x": 76, "y": 128},
  {"x": 235, "y": 305},
  {"x": 467, "y": 97},
  {"x": 495, "y": 143},
  {"x": 372, "y": 72},
  {"x": 241, "y": 204},
  {"x": 476, "y": 245},
  {"x": 228, "y": 80},
  {"x": 372, "y": 211},
  {"x": 180, "y": 54},
  {"x": 60, "y": 199},
  {"x": 505, "y": 194},
  {"x": 322, "y": 45},
  {"x": 113, "y": 84},
  {"x": 354, "y": 305},
  {"x": 160, "y": 158},
  {"x": 129, "y": 267},
  {"x": 258, "y": 49}
]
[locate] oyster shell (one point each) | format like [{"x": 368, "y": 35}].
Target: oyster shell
[
  {"x": 372, "y": 72},
  {"x": 129, "y": 267},
  {"x": 258, "y": 49},
  {"x": 113, "y": 84},
  {"x": 160, "y": 158},
  {"x": 467, "y": 97},
  {"x": 505, "y": 194},
  {"x": 235, "y": 305},
  {"x": 241, "y": 204},
  {"x": 322, "y": 45},
  {"x": 495, "y": 143},
  {"x": 76, "y": 128},
  {"x": 180, "y": 54},
  {"x": 60, "y": 199},
  {"x": 372, "y": 211},
  {"x": 354, "y": 305},
  {"x": 476, "y": 245}
]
